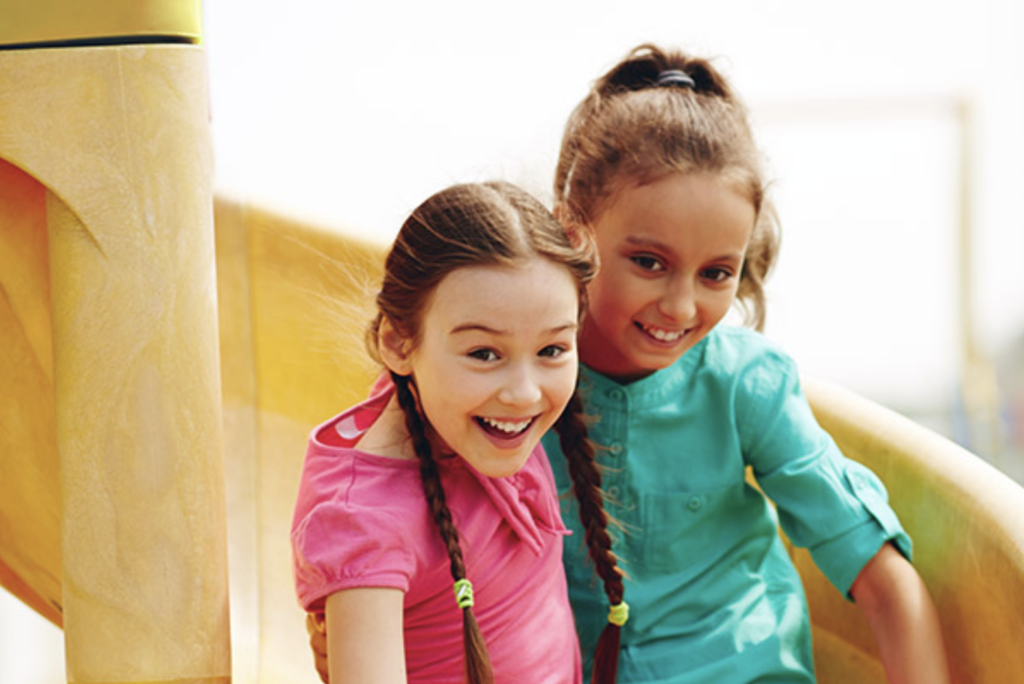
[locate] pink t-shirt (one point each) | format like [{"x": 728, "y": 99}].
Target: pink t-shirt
[{"x": 362, "y": 520}]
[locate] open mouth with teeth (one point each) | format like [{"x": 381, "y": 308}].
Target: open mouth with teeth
[
  {"x": 505, "y": 429},
  {"x": 660, "y": 334}
]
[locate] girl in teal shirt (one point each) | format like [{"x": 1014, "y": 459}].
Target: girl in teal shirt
[{"x": 659, "y": 166}]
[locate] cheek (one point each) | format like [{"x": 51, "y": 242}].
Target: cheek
[
  {"x": 564, "y": 385},
  {"x": 609, "y": 297},
  {"x": 434, "y": 409},
  {"x": 441, "y": 406},
  {"x": 718, "y": 306}
]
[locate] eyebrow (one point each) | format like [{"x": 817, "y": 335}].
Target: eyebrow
[
  {"x": 647, "y": 242},
  {"x": 480, "y": 327},
  {"x": 661, "y": 246}
]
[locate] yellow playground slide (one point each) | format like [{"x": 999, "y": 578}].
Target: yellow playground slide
[{"x": 164, "y": 353}]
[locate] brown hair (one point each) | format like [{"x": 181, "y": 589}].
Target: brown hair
[
  {"x": 630, "y": 129},
  {"x": 493, "y": 223}
]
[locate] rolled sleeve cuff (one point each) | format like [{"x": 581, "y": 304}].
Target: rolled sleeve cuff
[{"x": 842, "y": 558}]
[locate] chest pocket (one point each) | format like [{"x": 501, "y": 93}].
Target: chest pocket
[{"x": 685, "y": 532}]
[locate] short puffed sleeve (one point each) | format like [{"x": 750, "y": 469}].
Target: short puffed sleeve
[{"x": 355, "y": 523}]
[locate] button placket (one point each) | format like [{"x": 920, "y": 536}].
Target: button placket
[{"x": 612, "y": 432}]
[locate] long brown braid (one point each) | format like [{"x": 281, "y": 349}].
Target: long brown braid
[
  {"x": 631, "y": 130},
  {"x": 586, "y": 483},
  {"x": 478, "y": 663}
]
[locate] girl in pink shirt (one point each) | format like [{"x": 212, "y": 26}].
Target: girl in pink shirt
[{"x": 427, "y": 527}]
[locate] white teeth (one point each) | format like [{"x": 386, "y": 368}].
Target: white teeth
[
  {"x": 508, "y": 426},
  {"x": 664, "y": 335}
]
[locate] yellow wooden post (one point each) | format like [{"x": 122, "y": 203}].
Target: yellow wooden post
[
  {"x": 29, "y": 495},
  {"x": 117, "y": 133}
]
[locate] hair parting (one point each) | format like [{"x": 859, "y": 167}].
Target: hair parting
[{"x": 472, "y": 224}]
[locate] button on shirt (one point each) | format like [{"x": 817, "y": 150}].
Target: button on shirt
[{"x": 713, "y": 594}]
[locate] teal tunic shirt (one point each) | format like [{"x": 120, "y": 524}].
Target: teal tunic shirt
[{"x": 713, "y": 594}]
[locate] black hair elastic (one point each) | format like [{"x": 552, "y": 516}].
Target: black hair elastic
[{"x": 675, "y": 77}]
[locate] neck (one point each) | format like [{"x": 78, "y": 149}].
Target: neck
[{"x": 388, "y": 435}]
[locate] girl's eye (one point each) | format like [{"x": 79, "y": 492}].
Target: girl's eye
[
  {"x": 647, "y": 263},
  {"x": 552, "y": 351},
  {"x": 483, "y": 355},
  {"x": 716, "y": 275}
]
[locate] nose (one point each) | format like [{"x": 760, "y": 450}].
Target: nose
[
  {"x": 521, "y": 386},
  {"x": 679, "y": 300}
]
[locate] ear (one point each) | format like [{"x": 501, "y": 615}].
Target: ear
[
  {"x": 581, "y": 236},
  {"x": 575, "y": 231},
  {"x": 395, "y": 350},
  {"x": 561, "y": 213}
]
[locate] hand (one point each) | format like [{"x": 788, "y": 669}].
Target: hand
[{"x": 316, "y": 626}]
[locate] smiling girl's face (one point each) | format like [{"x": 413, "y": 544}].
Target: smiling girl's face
[
  {"x": 496, "y": 361},
  {"x": 671, "y": 253}
]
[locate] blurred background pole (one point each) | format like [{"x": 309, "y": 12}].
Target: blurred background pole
[{"x": 979, "y": 401}]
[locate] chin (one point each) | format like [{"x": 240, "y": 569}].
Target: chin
[
  {"x": 664, "y": 360},
  {"x": 503, "y": 467}
]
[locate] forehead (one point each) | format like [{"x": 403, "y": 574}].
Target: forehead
[
  {"x": 538, "y": 288},
  {"x": 679, "y": 209}
]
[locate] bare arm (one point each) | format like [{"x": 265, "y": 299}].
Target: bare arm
[
  {"x": 364, "y": 637},
  {"x": 316, "y": 627},
  {"x": 900, "y": 612}
]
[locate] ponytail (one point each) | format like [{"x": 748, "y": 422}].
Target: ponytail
[
  {"x": 586, "y": 479},
  {"x": 477, "y": 661},
  {"x": 645, "y": 66}
]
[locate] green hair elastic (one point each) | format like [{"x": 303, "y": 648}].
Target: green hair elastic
[
  {"x": 464, "y": 593},
  {"x": 618, "y": 614}
]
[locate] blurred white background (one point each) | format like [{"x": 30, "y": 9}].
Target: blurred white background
[{"x": 892, "y": 129}]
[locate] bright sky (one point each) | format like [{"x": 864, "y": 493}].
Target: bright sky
[{"x": 350, "y": 116}]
